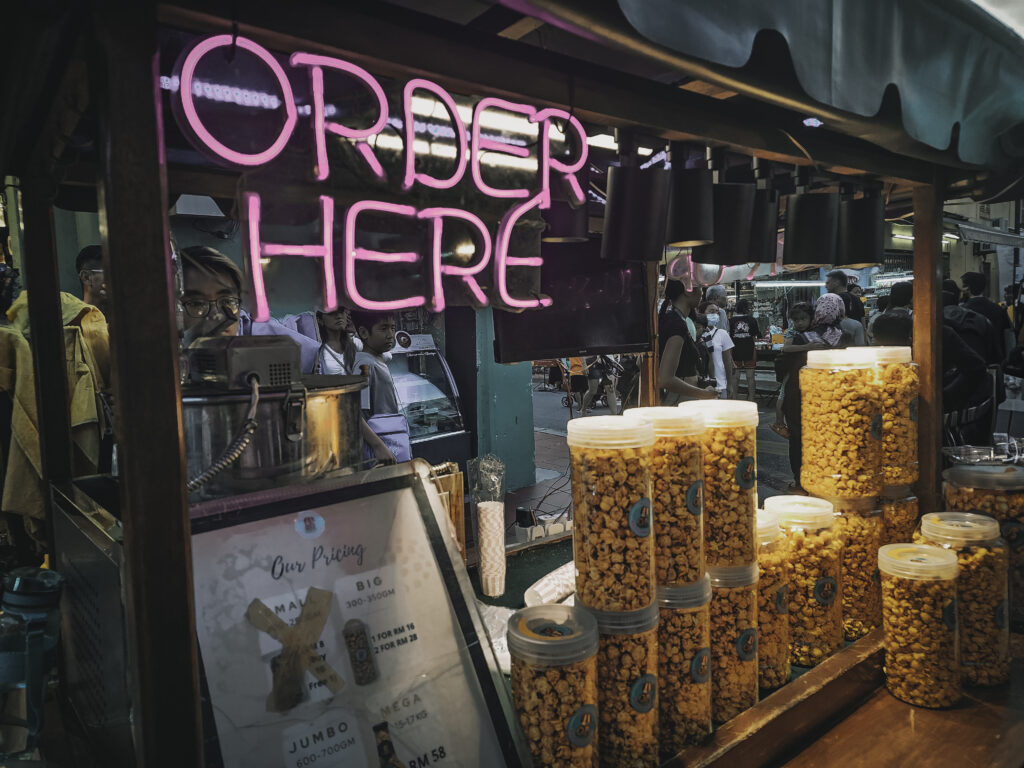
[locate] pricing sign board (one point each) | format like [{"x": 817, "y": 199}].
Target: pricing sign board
[{"x": 337, "y": 629}]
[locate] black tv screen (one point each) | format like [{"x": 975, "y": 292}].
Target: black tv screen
[{"x": 600, "y": 307}]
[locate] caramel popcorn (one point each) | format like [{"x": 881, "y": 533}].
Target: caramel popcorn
[
  {"x": 773, "y": 614},
  {"x": 627, "y": 669},
  {"x": 733, "y": 651},
  {"x": 861, "y": 531},
  {"x": 900, "y": 384},
  {"x": 614, "y": 552},
  {"x": 678, "y": 504},
  {"x": 815, "y": 589},
  {"x": 730, "y": 495},
  {"x": 684, "y": 674},
  {"x": 899, "y": 517},
  {"x": 842, "y": 432}
]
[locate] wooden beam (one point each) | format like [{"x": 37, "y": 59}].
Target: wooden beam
[
  {"x": 154, "y": 507},
  {"x": 928, "y": 338},
  {"x": 707, "y": 89}
]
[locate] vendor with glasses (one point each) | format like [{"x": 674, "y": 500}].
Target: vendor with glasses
[{"x": 211, "y": 293}]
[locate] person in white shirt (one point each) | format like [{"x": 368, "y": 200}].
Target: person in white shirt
[{"x": 720, "y": 346}]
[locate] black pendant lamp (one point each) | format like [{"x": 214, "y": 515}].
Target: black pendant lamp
[
  {"x": 812, "y": 227},
  {"x": 567, "y": 220},
  {"x": 861, "y": 231},
  {"x": 764, "y": 225},
  {"x": 691, "y": 202},
  {"x": 636, "y": 207},
  {"x": 734, "y": 213}
]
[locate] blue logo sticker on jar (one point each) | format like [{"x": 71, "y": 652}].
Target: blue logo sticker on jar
[
  {"x": 825, "y": 590},
  {"x": 582, "y": 726},
  {"x": 1000, "y": 617},
  {"x": 693, "y": 498},
  {"x": 746, "y": 473},
  {"x": 914, "y": 405},
  {"x": 949, "y": 615},
  {"x": 876, "y": 426},
  {"x": 640, "y": 518},
  {"x": 782, "y": 599},
  {"x": 700, "y": 666},
  {"x": 643, "y": 693},
  {"x": 1012, "y": 531},
  {"x": 309, "y": 525},
  {"x": 746, "y": 644}
]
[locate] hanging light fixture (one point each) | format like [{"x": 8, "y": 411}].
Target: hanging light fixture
[
  {"x": 764, "y": 225},
  {"x": 861, "y": 230},
  {"x": 567, "y": 218},
  {"x": 691, "y": 202},
  {"x": 636, "y": 208},
  {"x": 733, "y": 215},
  {"x": 812, "y": 226}
]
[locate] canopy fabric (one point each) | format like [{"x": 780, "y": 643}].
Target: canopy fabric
[
  {"x": 973, "y": 234},
  {"x": 951, "y": 63}
]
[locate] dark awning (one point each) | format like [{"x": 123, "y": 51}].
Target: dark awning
[
  {"x": 955, "y": 73},
  {"x": 973, "y": 234}
]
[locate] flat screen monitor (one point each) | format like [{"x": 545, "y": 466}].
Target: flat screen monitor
[{"x": 600, "y": 307}]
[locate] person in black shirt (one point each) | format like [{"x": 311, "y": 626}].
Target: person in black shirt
[
  {"x": 836, "y": 282},
  {"x": 744, "y": 331},
  {"x": 974, "y": 284},
  {"x": 678, "y": 355}
]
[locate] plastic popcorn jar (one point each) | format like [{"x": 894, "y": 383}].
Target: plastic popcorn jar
[
  {"x": 684, "y": 665},
  {"x": 610, "y": 458},
  {"x": 900, "y": 387},
  {"x": 678, "y": 505},
  {"x": 859, "y": 521},
  {"x": 815, "y": 597},
  {"x": 627, "y": 687},
  {"x": 981, "y": 591},
  {"x": 841, "y": 411},
  {"x": 733, "y": 618},
  {"x": 997, "y": 491},
  {"x": 554, "y": 683},
  {"x": 729, "y": 453},
  {"x": 772, "y": 602},
  {"x": 919, "y": 616},
  {"x": 899, "y": 514}
]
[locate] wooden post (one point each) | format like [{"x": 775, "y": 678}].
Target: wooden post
[
  {"x": 154, "y": 506},
  {"x": 928, "y": 338}
]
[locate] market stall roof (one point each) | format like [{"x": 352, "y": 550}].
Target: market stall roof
[{"x": 970, "y": 233}]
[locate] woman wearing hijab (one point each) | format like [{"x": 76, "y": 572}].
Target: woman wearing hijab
[{"x": 824, "y": 333}]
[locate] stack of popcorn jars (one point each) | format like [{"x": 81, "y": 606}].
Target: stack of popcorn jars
[
  {"x": 733, "y": 618},
  {"x": 899, "y": 514},
  {"x": 772, "y": 602},
  {"x": 684, "y": 665},
  {"x": 554, "y": 683},
  {"x": 859, "y": 521},
  {"x": 815, "y": 601},
  {"x": 997, "y": 491},
  {"x": 841, "y": 410},
  {"x": 981, "y": 591},
  {"x": 919, "y": 617},
  {"x": 900, "y": 385},
  {"x": 611, "y": 459}
]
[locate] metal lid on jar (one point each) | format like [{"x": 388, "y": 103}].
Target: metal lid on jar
[
  {"x": 31, "y": 588},
  {"x": 886, "y": 355},
  {"x": 624, "y": 622},
  {"x": 729, "y": 576},
  {"x": 918, "y": 561},
  {"x": 986, "y": 477},
  {"x": 609, "y": 432},
  {"x": 956, "y": 528},
  {"x": 692, "y": 595},
  {"x": 801, "y": 511},
  {"x": 552, "y": 635},
  {"x": 768, "y": 529},
  {"x": 854, "y": 357},
  {"x": 669, "y": 422},
  {"x": 727, "y": 413}
]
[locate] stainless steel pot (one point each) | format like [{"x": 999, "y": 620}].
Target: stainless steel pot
[{"x": 304, "y": 434}]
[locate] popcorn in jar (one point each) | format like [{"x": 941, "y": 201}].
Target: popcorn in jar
[
  {"x": 729, "y": 454},
  {"x": 859, "y": 522},
  {"x": 772, "y": 602},
  {"x": 676, "y": 475},
  {"x": 919, "y": 617},
  {"x": 684, "y": 665},
  {"x": 815, "y": 577},
  {"x": 733, "y": 617},
  {"x": 900, "y": 387},
  {"x": 554, "y": 683},
  {"x": 899, "y": 514},
  {"x": 627, "y": 687},
  {"x": 841, "y": 410},
  {"x": 997, "y": 491},
  {"x": 611, "y": 492},
  {"x": 981, "y": 591}
]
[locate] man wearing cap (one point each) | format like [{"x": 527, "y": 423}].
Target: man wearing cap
[{"x": 974, "y": 284}]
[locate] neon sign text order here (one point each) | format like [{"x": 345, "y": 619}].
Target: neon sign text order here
[{"x": 470, "y": 147}]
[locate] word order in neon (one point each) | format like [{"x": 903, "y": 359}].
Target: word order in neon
[{"x": 470, "y": 147}]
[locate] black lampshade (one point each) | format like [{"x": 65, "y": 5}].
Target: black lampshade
[
  {"x": 812, "y": 227},
  {"x": 734, "y": 213},
  {"x": 861, "y": 232},
  {"x": 764, "y": 227},
  {"x": 565, "y": 223},
  {"x": 635, "y": 212},
  {"x": 691, "y": 207}
]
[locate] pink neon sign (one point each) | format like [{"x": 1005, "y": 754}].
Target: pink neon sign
[
  {"x": 569, "y": 170},
  {"x": 411, "y": 174},
  {"x": 468, "y": 274},
  {"x": 482, "y": 144},
  {"x": 354, "y": 254},
  {"x": 502, "y": 260}
]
